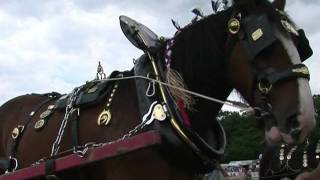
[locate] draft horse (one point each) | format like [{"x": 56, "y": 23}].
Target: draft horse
[{"x": 252, "y": 47}]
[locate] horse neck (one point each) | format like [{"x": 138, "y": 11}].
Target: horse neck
[{"x": 198, "y": 56}]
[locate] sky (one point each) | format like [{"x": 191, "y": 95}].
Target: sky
[{"x": 55, "y": 45}]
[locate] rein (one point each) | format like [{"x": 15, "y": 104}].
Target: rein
[{"x": 244, "y": 108}]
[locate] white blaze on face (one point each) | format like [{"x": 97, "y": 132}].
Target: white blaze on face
[{"x": 307, "y": 112}]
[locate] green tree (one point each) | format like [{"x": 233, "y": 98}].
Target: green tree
[{"x": 245, "y": 141}]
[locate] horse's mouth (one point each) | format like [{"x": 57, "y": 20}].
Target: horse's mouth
[{"x": 275, "y": 136}]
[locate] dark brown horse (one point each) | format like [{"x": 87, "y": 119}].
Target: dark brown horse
[{"x": 252, "y": 47}]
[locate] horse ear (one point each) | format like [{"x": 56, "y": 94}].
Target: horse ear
[{"x": 279, "y": 4}]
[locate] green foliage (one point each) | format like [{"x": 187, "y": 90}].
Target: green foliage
[
  {"x": 245, "y": 140},
  {"x": 315, "y": 134}
]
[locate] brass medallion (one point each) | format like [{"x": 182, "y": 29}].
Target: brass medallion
[
  {"x": 234, "y": 26},
  {"x": 17, "y": 131},
  {"x": 45, "y": 114},
  {"x": 39, "y": 124},
  {"x": 159, "y": 113},
  {"x": 104, "y": 118}
]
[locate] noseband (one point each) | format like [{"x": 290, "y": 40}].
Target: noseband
[{"x": 255, "y": 33}]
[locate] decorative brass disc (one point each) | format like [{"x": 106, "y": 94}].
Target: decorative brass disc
[
  {"x": 104, "y": 118},
  {"x": 234, "y": 26},
  {"x": 159, "y": 113},
  {"x": 17, "y": 131},
  {"x": 39, "y": 124},
  {"x": 45, "y": 114}
]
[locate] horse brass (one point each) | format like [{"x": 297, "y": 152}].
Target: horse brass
[
  {"x": 159, "y": 113},
  {"x": 104, "y": 118},
  {"x": 257, "y": 34},
  {"x": 45, "y": 114},
  {"x": 39, "y": 124},
  {"x": 234, "y": 26},
  {"x": 17, "y": 131}
]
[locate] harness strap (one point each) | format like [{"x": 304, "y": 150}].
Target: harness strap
[
  {"x": 75, "y": 129},
  {"x": 296, "y": 71},
  {"x": 4, "y": 163},
  {"x": 50, "y": 170},
  {"x": 15, "y": 143}
]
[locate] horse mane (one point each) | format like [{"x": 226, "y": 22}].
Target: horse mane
[{"x": 202, "y": 41}]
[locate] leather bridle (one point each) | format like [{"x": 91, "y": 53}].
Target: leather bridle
[{"x": 255, "y": 33}]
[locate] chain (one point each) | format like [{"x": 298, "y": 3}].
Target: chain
[
  {"x": 69, "y": 110},
  {"x": 82, "y": 150}
]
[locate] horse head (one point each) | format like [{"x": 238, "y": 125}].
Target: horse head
[{"x": 264, "y": 61}]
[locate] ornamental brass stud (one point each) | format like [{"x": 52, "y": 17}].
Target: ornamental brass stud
[
  {"x": 234, "y": 26},
  {"x": 302, "y": 70},
  {"x": 104, "y": 118},
  {"x": 257, "y": 34},
  {"x": 51, "y": 107},
  {"x": 39, "y": 124}
]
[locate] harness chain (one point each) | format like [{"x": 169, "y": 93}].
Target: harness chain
[{"x": 69, "y": 110}]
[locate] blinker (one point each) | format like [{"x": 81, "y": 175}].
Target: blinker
[
  {"x": 303, "y": 46},
  {"x": 259, "y": 34}
]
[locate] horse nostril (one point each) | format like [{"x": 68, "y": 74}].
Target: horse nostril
[{"x": 295, "y": 133}]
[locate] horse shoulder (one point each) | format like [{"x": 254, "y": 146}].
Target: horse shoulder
[{"x": 11, "y": 113}]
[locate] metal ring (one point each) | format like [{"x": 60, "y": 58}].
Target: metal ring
[
  {"x": 151, "y": 90},
  {"x": 15, "y": 161}
]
